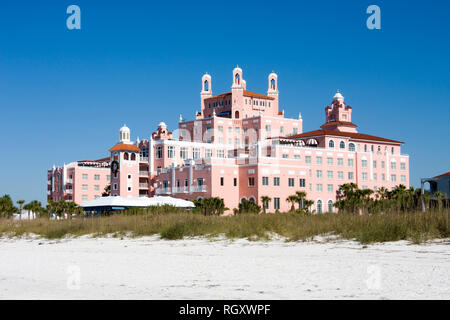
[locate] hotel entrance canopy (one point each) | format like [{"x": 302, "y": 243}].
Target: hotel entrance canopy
[{"x": 120, "y": 203}]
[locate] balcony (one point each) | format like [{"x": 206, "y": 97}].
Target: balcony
[
  {"x": 143, "y": 159},
  {"x": 69, "y": 181},
  {"x": 143, "y": 173},
  {"x": 69, "y": 191},
  {"x": 182, "y": 189},
  {"x": 163, "y": 191},
  {"x": 143, "y": 185},
  {"x": 198, "y": 188},
  {"x": 49, "y": 192}
]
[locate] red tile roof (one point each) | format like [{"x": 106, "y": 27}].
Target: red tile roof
[
  {"x": 339, "y": 123},
  {"x": 443, "y": 175},
  {"x": 352, "y": 135},
  {"x": 123, "y": 146}
]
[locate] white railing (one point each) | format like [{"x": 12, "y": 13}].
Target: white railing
[
  {"x": 163, "y": 191},
  {"x": 198, "y": 188},
  {"x": 143, "y": 185},
  {"x": 143, "y": 159},
  {"x": 182, "y": 189},
  {"x": 69, "y": 180},
  {"x": 69, "y": 191},
  {"x": 143, "y": 173},
  {"x": 49, "y": 192}
]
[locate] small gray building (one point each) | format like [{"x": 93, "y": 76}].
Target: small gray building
[{"x": 439, "y": 183}]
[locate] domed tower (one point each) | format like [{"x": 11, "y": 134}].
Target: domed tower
[
  {"x": 125, "y": 166},
  {"x": 272, "y": 91},
  {"x": 124, "y": 135},
  {"x": 339, "y": 116},
  {"x": 206, "y": 90}
]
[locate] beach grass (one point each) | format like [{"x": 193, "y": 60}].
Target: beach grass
[{"x": 416, "y": 227}]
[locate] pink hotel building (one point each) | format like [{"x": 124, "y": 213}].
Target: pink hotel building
[{"x": 240, "y": 146}]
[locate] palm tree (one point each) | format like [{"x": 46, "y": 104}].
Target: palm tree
[
  {"x": 35, "y": 207},
  {"x": 308, "y": 204},
  {"x": 439, "y": 197},
  {"x": 301, "y": 196},
  {"x": 20, "y": 203},
  {"x": 292, "y": 200},
  {"x": 265, "y": 202}
]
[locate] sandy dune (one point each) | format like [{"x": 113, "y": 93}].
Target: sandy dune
[{"x": 149, "y": 268}]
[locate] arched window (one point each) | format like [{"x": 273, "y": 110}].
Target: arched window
[
  {"x": 237, "y": 78},
  {"x": 392, "y": 150},
  {"x": 331, "y": 144},
  {"x": 379, "y": 148},
  {"x": 125, "y": 156},
  {"x": 342, "y": 145},
  {"x": 351, "y": 147},
  {"x": 206, "y": 85},
  {"x": 236, "y": 114},
  {"x": 330, "y": 205},
  {"x": 319, "y": 206},
  {"x": 272, "y": 84},
  {"x": 252, "y": 199},
  {"x": 365, "y": 148},
  {"x": 133, "y": 156}
]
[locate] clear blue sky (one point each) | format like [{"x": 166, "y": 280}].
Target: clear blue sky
[{"x": 64, "y": 94}]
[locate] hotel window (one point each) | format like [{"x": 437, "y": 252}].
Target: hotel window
[
  {"x": 281, "y": 130},
  {"x": 196, "y": 153},
  {"x": 403, "y": 178},
  {"x": 375, "y": 189},
  {"x": 84, "y": 197},
  {"x": 171, "y": 152},
  {"x": 267, "y": 128},
  {"x": 229, "y": 140},
  {"x": 382, "y": 164},
  {"x": 276, "y": 181},
  {"x": 251, "y": 181},
  {"x": 276, "y": 203},
  {"x": 365, "y": 148},
  {"x": 330, "y": 161},
  {"x": 318, "y": 160},
  {"x": 319, "y": 174},
  {"x": 221, "y": 181},
  {"x": 374, "y": 164},
  {"x": 230, "y": 130},
  {"x": 331, "y": 144},
  {"x": 290, "y": 182},
  {"x": 375, "y": 176},
  {"x": 115, "y": 175},
  {"x": 342, "y": 145},
  {"x": 220, "y": 140},
  {"x": 265, "y": 181},
  {"x": 307, "y": 159},
  {"x": 96, "y": 187},
  {"x": 393, "y": 178},
  {"x": 340, "y": 162},
  {"x": 351, "y": 147},
  {"x": 350, "y": 175},
  {"x": 220, "y": 128},
  {"x": 383, "y": 177},
  {"x": 364, "y": 163},
  {"x": 96, "y": 177},
  {"x": 392, "y": 150},
  {"x": 236, "y": 130},
  {"x": 115, "y": 186},
  {"x": 186, "y": 182},
  {"x": 330, "y": 174},
  {"x": 235, "y": 182},
  {"x": 84, "y": 176},
  {"x": 340, "y": 175},
  {"x": 237, "y": 141},
  {"x": 183, "y": 153},
  {"x": 403, "y": 166},
  {"x": 296, "y": 156},
  {"x": 84, "y": 187},
  {"x": 220, "y": 154},
  {"x": 330, "y": 188},
  {"x": 364, "y": 187},
  {"x": 393, "y": 165},
  {"x": 159, "y": 152},
  {"x": 285, "y": 156},
  {"x": 245, "y": 130},
  {"x": 302, "y": 183},
  {"x": 108, "y": 177},
  {"x": 294, "y": 131},
  {"x": 319, "y": 187},
  {"x": 208, "y": 153},
  {"x": 364, "y": 176}
]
